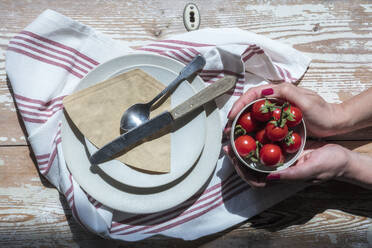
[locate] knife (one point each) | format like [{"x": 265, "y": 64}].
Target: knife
[{"x": 162, "y": 120}]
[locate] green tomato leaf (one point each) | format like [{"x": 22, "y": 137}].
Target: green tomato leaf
[
  {"x": 283, "y": 122},
  {"x": 288, "y": 139},
  {"x": 264, "y": 110},
  {"x": 290, "y": 117},
  {"x": 280, "y": 164},
  {"x": 253, "y": 159}
]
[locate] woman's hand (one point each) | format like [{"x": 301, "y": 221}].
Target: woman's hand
[
  {"x": 318, "y": 114},
  {"x": 253, "y": 178},
  {"x": 325, "y": 163},
  {"x": 322, "y": 118},
  {"x": 318, "y": 163}
]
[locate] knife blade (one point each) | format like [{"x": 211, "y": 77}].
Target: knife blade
[{"x": 162, "y": 120}]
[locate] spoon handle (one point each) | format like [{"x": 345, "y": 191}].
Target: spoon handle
[
  {"x": 195, "y": 65},
  {"x": 202, "y": 97}
]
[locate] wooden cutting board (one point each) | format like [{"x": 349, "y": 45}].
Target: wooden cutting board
[{"x": 96, "y": 111}]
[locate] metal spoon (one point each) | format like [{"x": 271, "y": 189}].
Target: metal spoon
[{"x": 140, "y": 112}]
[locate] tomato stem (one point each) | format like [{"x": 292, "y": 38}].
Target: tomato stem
[
  {"x": 281, "y": 121},
  {"x": 288, "y": 139},
  {"x": 239, "y": 131},
  {"x": 258, "y": 147}
]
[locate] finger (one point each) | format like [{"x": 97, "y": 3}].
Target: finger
[
  {"x": 249, "y": 96},
  {"x": 227, "y": 128},
  {"x": 249, "y": 176},
  {"x": 227, "y": 150},
  {"x": 289, "y": 92},
  {"x": 304, "y": 156},
  {"x": 295, "y": 174},
  {"x": 304, "y": 170}
]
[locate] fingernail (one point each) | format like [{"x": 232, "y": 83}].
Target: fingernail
[
  {"x": 267, "y": 92},
  {"x": 273, "y": 177}
]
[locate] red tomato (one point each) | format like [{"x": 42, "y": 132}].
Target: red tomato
[
  {"x": 247, "y": 122},
  {"x": 261, "y": 110},
  {"x": 271, "y": 155},
  {"x": 292, "y": 143},
  {"x": 261, "y": 137},
  {"x": 295, "y": 116},
  {"x": 276, "y": 114},
  {"x": 244, "y": 145},
  {"x": 275, "y": 133}
]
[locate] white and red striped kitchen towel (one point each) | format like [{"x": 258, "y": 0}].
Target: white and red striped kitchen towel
[{"x": 47, "y": 60}]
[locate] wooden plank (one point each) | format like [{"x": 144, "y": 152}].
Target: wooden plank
[
  {"x": 11, "y": 125},
  {"x": 336, "y": 34},
  {"x": 34, "y": 214}
]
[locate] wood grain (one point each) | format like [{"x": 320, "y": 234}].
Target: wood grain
[
  {"x": 335, "y": 34},
  {"x": 34, "y": 214}
]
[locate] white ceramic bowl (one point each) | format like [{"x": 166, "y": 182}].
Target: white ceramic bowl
[{"x": 289, "y": 158}]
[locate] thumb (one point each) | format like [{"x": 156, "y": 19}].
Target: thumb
[
  {"x": 289, "y": 92},
  {"x": 249, "y": 96},
  {"x": 302, "y": 171}
]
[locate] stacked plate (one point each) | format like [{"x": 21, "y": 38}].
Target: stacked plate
[{"x": 194, "y": 152}]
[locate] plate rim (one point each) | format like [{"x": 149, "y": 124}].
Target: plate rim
[{"x": 214, "y": 133}]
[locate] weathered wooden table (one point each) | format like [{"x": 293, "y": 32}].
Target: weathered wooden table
[{"x": 337, "y": 35}]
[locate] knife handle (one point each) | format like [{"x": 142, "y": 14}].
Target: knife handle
[{"x": 205, "y": 95}]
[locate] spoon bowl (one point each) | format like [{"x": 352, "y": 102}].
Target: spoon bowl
[{"x": 134, "y": 116}]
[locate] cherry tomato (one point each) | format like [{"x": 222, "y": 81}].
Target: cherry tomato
[
  {"x": 261, "y": 110},
  {"x": 291, "y": 143},
  {"x": 261, "y": 137},
  {"x": 247, "y": 122},
  {"x": 271, "y": 154},
  {"x": 295, "y": 116},
  {"x": 244, "y": 145},
  {"x": 276, "y": 114},
  {"x": 276, "y": 133}
]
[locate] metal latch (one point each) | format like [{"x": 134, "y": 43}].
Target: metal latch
[{"x": 191, "y": 17}]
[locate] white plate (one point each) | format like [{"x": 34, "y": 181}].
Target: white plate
[
  {"x": 190, "y": 136},
  {"x": 135, "y": 200}
]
